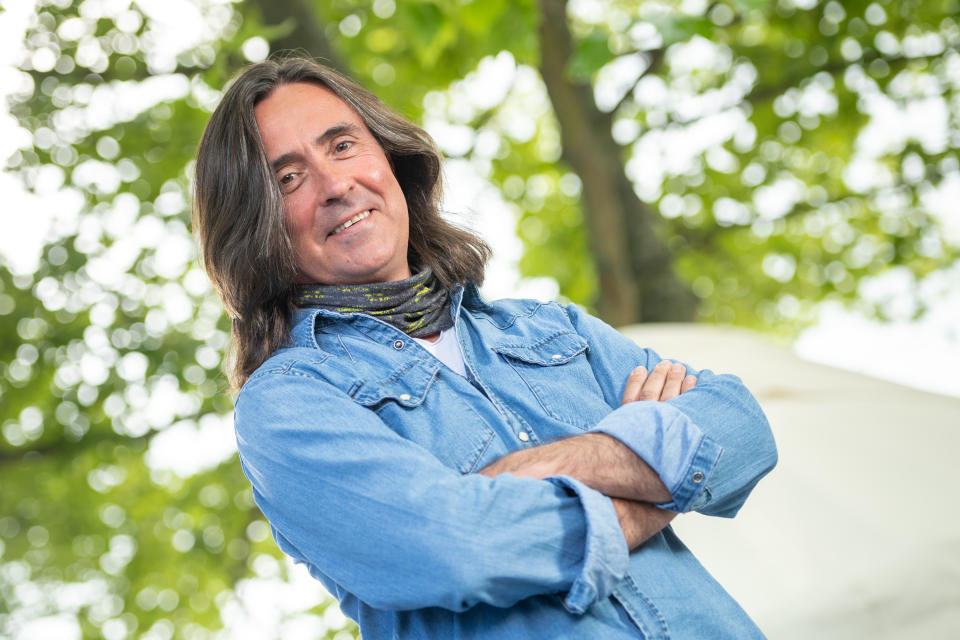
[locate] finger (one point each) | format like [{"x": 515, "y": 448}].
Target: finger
[
  {"x": 688, "y": 383},
  {"x": 634, "y": 383},
  {"x": 653, "y": 386},
  {"x": 671, "y": 386}
]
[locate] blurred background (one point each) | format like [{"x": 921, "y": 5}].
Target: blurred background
[{"x": 787, "y": 166}]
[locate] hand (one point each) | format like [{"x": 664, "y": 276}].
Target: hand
[
  {"x": 640, "y": 520},
  {"x": 666, "y": 381}
]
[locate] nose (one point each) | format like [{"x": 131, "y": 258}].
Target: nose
[{"x": 333, "y": 183}]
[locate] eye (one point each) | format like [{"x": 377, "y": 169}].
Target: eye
[
  {"x": 287, "y": 181},
  {"x": 342, "y": 146}
]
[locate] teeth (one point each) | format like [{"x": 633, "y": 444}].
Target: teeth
[{"x": 349, "y": 223}]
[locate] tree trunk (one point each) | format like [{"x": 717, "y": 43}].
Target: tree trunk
[{"x": 637, "y": 282}]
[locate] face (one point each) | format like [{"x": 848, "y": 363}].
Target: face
[{"x": 344, "y": 210}]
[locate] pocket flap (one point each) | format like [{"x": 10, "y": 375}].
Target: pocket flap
[
  {"x": 406, "y": 385},
  {"x": 554, "y": 350}
]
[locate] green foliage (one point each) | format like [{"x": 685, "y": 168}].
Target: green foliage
[
  {"x": 754, "y": 262},
  {"x": 116, "y": 336},
  {"x": 799, "y": 77},
  {"x": 593, "y": 52},
  {"x": 681, "y": 28},
  {"x": 405, "y": 49}
]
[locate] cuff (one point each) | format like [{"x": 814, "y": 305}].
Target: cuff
[
  {"x": 605, "y": 556},
  {"x": 667, "y": 440}
]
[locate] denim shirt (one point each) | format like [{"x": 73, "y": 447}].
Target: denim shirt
[{"x": 362, "y": 450}]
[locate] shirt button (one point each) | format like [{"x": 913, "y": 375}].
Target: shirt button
[
  {"x": 404, "y": 396},
  {"x": 697, "y": 477},
  {"x": 523, "y": 435},
  {"x": 556, "y": 356},
  {"x": 398, "y": 344}
]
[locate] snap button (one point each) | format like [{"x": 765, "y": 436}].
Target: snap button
[
  {"x": 404, "y": 396},
  {"x": 556, "y": 356},
  {"x": 697, "y": 477},
  {"x": 523, "y": 435},
  {"x": 398, "y": 344}
]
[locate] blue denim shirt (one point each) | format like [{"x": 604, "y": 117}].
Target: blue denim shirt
[{"x": 362, "y": 450}]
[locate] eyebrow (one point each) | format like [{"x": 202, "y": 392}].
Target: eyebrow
[{"x": 325, "y": 137}]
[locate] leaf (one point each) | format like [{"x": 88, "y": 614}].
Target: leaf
[
  {"x": 748, "y": 6},
  {"x": 592, "y": 52},
  {"x": 429, "y": 32},
  {"x": 480, "y": 16},
  {"x": 673, "y": 28}
]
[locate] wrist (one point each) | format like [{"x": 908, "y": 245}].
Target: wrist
[{"x": 640, "y": 521}]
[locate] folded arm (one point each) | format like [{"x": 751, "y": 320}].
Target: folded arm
[
  {"x": 363, "y": 505},
  {"x": 709, "y": 445},
  {"x": 607, "y": 465}
]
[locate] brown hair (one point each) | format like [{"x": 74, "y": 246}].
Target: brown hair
[{"x": 238, "y": 208}]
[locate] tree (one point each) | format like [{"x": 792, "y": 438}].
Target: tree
[{"x": 727, "y": 150}]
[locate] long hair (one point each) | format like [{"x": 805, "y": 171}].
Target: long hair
[{"x": 238, "y": 207}]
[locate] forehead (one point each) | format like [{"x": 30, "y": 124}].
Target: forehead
[
  {"x": 298, "y": 108},
  {"x": 303, "y": 95}
]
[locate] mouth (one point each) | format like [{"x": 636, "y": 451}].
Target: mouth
[{"x": 349, "y": 223}]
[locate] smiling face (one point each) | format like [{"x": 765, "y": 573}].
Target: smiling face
[{"x": 343, "y": 207}]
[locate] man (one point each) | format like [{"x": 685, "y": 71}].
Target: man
[{"x": 448, "y": 467}]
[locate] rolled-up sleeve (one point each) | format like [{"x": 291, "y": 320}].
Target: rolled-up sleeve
[
  {"x": 605, "y": 556},
  {"x": 363, "y": 506},
  {"x": 710, "y": 445},
  {"x": 682, "y": 455}
]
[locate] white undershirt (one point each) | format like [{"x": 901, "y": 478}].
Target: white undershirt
[{"x": 446, "y": 349}]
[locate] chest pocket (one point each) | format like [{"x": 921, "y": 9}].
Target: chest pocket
[
  {"x": 416, "y": 405},
  {"x": 558, "y": 374}
]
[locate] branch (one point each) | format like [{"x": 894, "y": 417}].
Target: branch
[
  {"x": 68, "y": 448},
  {"x": 767, "y": 92},
  {"x": 760, "y": 94}
]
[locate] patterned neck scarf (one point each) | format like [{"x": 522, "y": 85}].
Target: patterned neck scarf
[{"x": 418, "y": 306}]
